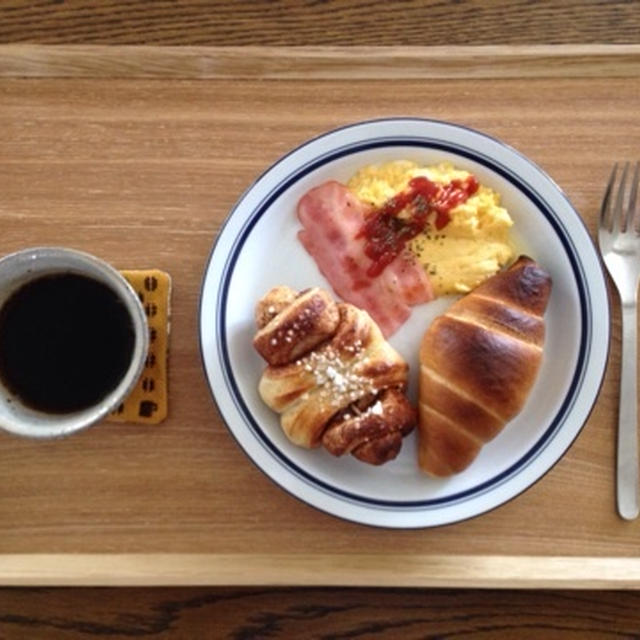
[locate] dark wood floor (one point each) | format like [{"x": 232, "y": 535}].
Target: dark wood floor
[
  {"x": 320, "y": 22},
  {"x": 247, "y": 614}
]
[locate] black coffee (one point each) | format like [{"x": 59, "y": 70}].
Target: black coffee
[{"x": 66, "y": 341}]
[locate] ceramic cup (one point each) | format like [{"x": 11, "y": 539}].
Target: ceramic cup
[{"x": 26, "y": 266}]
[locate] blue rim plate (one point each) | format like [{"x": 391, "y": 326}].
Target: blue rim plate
[{"x": 257, "y": 249}]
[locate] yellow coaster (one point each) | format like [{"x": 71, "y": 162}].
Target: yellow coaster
[{"x": 148, "y": 402}]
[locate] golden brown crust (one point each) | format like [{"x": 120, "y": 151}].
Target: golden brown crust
[
  {"x": 479, "y": 362},
  {"x": 443, "y": 398},
  {"x": 292, "y": 324},
  {"x": 349, "y": 370},
  {"x": 373, "y": 433},
  {"x": 494, "y": 369},
  {"x": 271, "y": 304},
  {"x": 501, "y": 317},
  {"x": 380, "y": 450},
  {"x": 524, "y": 285},
  {"x": 444, "y": 447}
]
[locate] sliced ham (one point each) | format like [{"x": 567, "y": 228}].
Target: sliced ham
[{"x": 332, "y": 218}]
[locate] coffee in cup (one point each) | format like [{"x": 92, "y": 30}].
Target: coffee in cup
[{"x": 73, "y": 340}]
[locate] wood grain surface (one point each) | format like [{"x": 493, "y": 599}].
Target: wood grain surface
[
  {"x": 320, "y": 63},
  {"x": 324, "y": 22},
  {"x": 594, "y": 127},
  {"x": 356, "y": 569},
  {"x": 336, "y": 614},
  {"x": 143, "y": 174}
]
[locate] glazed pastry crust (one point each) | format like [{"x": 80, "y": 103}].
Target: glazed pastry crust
[
  {"x": 346, "y": 390},
  {"x": 291, "y": 324},
  {"x": 375, "y": 433},
  {"x": 479, "y": 362}
]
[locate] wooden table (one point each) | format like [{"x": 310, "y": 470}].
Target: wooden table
[{"x": 137, "y": 155}]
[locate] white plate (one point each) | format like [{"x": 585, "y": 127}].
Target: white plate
[{"x": 257, "y": 249}]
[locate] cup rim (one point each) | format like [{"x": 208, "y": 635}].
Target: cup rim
[{"x": 53, "y": 259}]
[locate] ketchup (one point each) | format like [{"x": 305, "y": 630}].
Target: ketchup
[{"x": 425, "y": 202}]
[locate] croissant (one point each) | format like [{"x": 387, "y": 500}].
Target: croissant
[
  {"x": 478, "y": 363},
  {"x": 331, "y": 375}
]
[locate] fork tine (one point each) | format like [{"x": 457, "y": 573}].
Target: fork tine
[
  {"x": 619, "y": 217},
  {"x": 632, "y": 209},
  {"x": 605, "y": 208}
]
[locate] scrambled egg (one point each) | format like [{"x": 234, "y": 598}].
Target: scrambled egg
[{"x": 473, "y": 246}]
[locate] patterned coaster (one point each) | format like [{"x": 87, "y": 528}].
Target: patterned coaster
[{"x": 148, "y": 402}]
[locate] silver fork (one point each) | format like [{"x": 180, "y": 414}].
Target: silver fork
[{"x": 619, "y": 240}]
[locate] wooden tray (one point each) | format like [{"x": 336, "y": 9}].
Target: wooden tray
[{"x": 137, "y": 155}]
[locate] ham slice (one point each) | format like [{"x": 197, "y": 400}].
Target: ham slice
[{"x": 332, "y": 217}]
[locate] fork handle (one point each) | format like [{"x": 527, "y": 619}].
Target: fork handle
[{"x": 627, "y": 467}]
